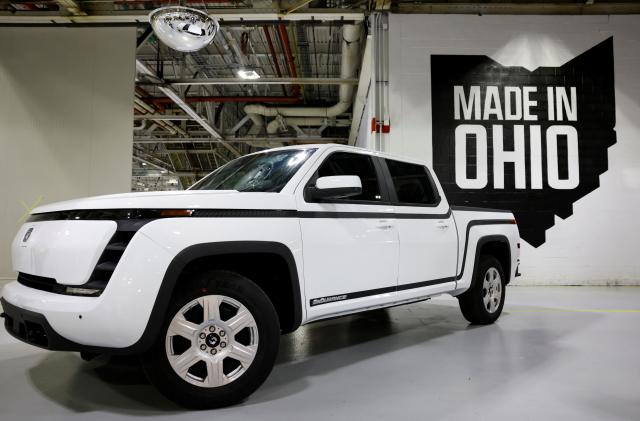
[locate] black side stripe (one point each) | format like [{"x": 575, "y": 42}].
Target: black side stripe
[
  {"x": 370, "y": 215},
  {"x": 150, "y": 214},
  {"x": 359, "y": 294}
]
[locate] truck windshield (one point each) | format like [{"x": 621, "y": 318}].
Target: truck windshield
[{"x": 262, "y": 172}]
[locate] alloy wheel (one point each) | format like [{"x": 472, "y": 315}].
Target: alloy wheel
[
  {"x": 492, "y": 290},
  {"x": 212, "y": 341}
]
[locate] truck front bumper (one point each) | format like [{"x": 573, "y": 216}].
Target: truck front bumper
[
  {"x": 115, "y": 322},
  {"x": 34, "y": 329}
]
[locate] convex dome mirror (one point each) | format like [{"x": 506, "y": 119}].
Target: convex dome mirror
[{"x": 183, "y": 28}]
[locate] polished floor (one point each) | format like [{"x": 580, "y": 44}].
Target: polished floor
[{"x": 557, "y": 353}]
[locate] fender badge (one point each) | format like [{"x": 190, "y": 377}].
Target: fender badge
[{"x": 27, "y": 235}]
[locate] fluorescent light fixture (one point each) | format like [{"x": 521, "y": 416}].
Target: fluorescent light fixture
[{"x": 248, "y": 74}]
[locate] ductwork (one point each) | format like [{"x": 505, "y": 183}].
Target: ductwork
[
  {"x": 348, "y": 69},
  {"x": 274, "y": 126}
]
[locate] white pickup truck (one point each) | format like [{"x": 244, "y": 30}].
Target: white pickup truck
[{"x": 201, "y": 283}]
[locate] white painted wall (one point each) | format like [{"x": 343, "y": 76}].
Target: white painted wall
[
  {"x": 598, "y": 243},
  {"x": 66, "y": 98}
]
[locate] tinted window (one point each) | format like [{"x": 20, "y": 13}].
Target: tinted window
[
  {"x": 345, "y": 163},
  {"x": 264, "y": 172},
  {"x": 412, "y": 183}
]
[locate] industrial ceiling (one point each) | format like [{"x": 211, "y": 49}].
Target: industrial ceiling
[{"x": 193, "y": 113}]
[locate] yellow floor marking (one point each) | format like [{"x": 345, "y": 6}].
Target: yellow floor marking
[{"x": 571, "y": 310}]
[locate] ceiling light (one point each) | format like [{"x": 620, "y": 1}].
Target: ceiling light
[
  {"x": 183, "y": 28},
  {"x": 248, "y": 74}
]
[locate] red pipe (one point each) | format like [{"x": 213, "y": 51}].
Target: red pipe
[
  {"x": 189, "y": 99},
  {"x": 267, "y": 33},
  {"x": 284, "y": 37}
]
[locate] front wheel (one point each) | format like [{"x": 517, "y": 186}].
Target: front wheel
[
  {"x": 483, "y": 302},
  {"x": 218, "y": 344}
]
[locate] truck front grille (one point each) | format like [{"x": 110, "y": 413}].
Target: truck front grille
[{"x": 110, "y": 258}]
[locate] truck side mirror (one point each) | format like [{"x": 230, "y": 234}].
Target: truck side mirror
[{"x": 335, "y": 187}]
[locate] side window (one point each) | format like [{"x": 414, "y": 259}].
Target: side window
[
  {"x": 412, "y": 183},
  {"x": 345, "y": 163}
]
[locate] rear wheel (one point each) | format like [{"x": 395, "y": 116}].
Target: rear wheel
[
  {"x": 483, "y": 302},
  {"x": 218, "y": 344}
]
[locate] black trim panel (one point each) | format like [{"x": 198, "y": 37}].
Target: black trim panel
[
  {"x": 473, "y": 209},
  {"x": 366, "y": 293},
  {"x": 42, "y": 283},
  {"x": 472, "y": 224},
  {"x": 34, "y": 329}
]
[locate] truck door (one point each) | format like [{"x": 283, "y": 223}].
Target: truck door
[
  {"x": 350, "y": 246},
  {"x": 427, "y": 231}
]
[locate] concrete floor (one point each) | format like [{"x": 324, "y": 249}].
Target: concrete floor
[{"x": 556, "y": 353}]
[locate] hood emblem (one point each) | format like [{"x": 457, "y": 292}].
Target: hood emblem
[{"x": 27, "y": 235}]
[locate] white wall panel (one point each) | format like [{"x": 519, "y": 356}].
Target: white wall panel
[{"x": 66, "y": 98}]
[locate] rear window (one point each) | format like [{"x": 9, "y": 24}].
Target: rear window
[{"x": 412, "y": 183}]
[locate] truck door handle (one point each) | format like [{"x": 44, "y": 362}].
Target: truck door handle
[
  {"x": 443, "y": 225},
  {"x": 385, "y": 224}
]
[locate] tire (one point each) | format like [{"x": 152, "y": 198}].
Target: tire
[
  {"x": 482, "y": 303},
  {"x": 203, "y": 350}
]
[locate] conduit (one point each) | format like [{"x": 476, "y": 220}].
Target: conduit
[
  {"x": 348, "y": 69},
  {"x": 274, "y": 56},
  {"x": 284, "y": 38},
  {"x": 275, "y": 124},
  {"x": 221, "y": 99}
]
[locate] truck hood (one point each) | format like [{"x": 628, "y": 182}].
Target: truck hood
[{"x": 188, "y": 199}]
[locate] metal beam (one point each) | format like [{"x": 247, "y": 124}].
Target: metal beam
[
  {"x": 305, "y": 140},
  {"x": 142, "y": 68},
  {"x": 144, "y": 37},
  {"x": 141, "y": 155},
  {"x": 164, "y": 117},
  {"x": 261, "y": 81},
  {"x": 151, "y": 164},
  {"x": 518, "y": 8},
  {"x": 224, "y": 16}
]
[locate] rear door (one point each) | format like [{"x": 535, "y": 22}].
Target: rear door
[
  {"x": 350, "y": 246},
  {"x": 427, "y": 232}
]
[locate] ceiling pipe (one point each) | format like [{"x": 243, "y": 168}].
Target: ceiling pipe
[
  {"x": 280, "y": 123},
  {"x": 141, "y": 68},
  {"x": 140, "y": 126},
  {"x": 145, "y": 109},
  {"x": 348, "y": 69},
  {"x": 274, "y": 56},
  {"x": 221, "y": 99},
  {"x": 284, "y": 38}
]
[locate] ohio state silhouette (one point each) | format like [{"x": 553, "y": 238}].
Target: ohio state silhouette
[{"x": 532, "y": 142}]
